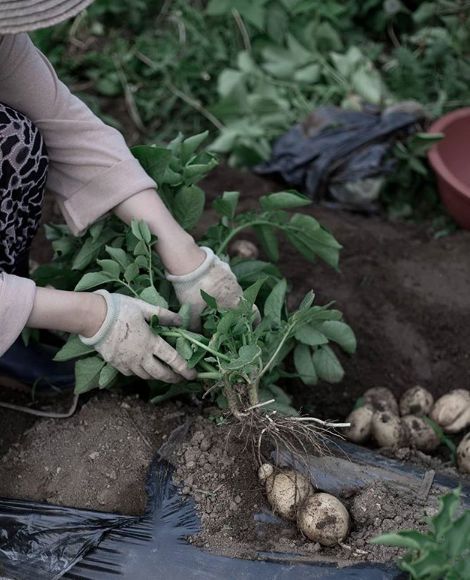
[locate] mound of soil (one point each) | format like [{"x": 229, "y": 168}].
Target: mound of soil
[
  {"x": 215, "y": 467},
  {"x": 97, "y": 459}
]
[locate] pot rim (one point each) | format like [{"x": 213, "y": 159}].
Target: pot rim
[{"x": 435, "y": 158}]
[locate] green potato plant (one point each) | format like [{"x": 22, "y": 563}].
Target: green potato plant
[{"x": 239, "y": 360}]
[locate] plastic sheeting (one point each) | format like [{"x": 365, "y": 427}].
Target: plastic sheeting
[
  {"x": 39, "y": 541},
  {"x": 341, "y": 156}
]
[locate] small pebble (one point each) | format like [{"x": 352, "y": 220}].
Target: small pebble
[
  {"x": 94, "y": 455},
  {"x": 238, "y": 499}
]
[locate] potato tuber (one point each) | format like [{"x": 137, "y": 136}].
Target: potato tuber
[
  {"x": 244, "y": 249},
  {"x": 416, "y": 401},
  {"x": 382, "y": 399},
  {"x": 324, "y": 519},
  {"x": 421, "y": 435},
  {"x": 387, "y": 429},
  {"x": 286, "y": 490},
  {"x": 463, "y": 454},
  {"x": 452, "y": 411},
  {"x": 361, "y": 424}
]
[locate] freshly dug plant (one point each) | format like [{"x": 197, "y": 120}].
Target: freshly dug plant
[
  {"x": 239, "y": 358},
  {"x": 361, "y": 424},
  {"x": 323, "y": 519},
  {"x": 420, "y": 433},
  {"x": 416, "y": 401},
  {"x": 452, "y": 411},
  {"x": 286, "y": 490},
  {"x": 387, "y": 429},
  {"x": 463, "y": 454},
  {"x": 244, "y": 249},
  {"x": 382, "y": 399}
]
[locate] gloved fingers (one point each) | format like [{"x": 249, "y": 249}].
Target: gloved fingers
[
  {"x": 172, "y": 358},
  {"x": 159, "y": 371},
  {"x": 138, "y": 371},
  {"x": 165, "y": 316},
  {"x": 123, "y": 370}
]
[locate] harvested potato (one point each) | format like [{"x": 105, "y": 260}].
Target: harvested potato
[
  {"x": 421, "y": 435},
  {"x": 265, "y": 471},
  {"x": 387, "y": 429},
  {"x": 324, "y": 519},
  {"x": 452, "y": 411},
  {"x": 244, "y": 249},
  {"x": 361, "y": 424},
  {"x": 382, "y": 399},
  {"x": 286, "y": 490},
  {"x": 416, "y": 401},
  {"x": 463, "y": 454}
]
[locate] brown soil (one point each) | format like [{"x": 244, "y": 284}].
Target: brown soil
[
  {"x": 217, "y": 470},
  {"x": 405, "y": 294},
  {"x": 97, "y": 459}
]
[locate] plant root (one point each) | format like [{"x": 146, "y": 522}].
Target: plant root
[{"x": 270, "y": 432}]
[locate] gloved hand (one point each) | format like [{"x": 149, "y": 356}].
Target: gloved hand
[
  {"x": 126, "y": 341},
  {"x": 214, "y": 277}
]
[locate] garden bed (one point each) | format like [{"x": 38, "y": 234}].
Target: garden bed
[{"x": 406, "y": 296}]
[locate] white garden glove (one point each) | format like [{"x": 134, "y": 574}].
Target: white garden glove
[
  {"x": 214, "y": 277},
  {"x": 126, "y": 341}
]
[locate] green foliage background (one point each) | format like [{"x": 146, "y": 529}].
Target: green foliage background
[{"x": 248, "y": 70}]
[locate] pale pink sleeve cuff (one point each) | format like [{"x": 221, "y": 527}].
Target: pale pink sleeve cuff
[
  {"x": 103, "y": 193},
  {"x": 16, "y": 303}
]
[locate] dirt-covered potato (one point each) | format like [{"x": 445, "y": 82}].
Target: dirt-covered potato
[
  {"x": 382, "y": 399},
  {"x": 324, "y": 519},
  {"x": 265, "y": 471},
  {"x": 286, "y": 490},
  {"x": 452, "y": 411},
  {"x": 244, "y": 249},
  {"x": 361, "y": 424},
  {"x": 416, "y": 401},
  {"x": 463, "y": 454},
  {"x": 387, "y": 429},
  {"x": 420, "y": 434}
]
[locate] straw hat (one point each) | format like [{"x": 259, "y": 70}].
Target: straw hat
[{"x": 26, "y": 15}]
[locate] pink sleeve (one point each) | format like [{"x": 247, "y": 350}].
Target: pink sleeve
[
  {"x": 91, "y": 168},
  {"x": 16, "y": 302}
]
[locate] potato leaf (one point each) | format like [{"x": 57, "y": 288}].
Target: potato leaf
[
  {"x": 247, "y": 355},
  {"x": 284, "y": 200},
  {"x": 107, "y": 376},
  {"x": 73, "y": 348},
  {"x": 188, "y": 205},
  {"x": 308, "y": 334},
  {"x": 304, "y": 364},
  {"x": 274, "y": 303},
  {"x": 340, "y": 333},
  {"x": 268, "y": 241},
  {"x": 92, "y": 280},
  {"x": 87, "y": 372},
  {"x": 327, "y": 365},
  {"x": 152, "y": 296}
]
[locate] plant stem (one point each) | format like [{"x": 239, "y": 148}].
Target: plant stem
[
  {"x": 177, "y": 332},
  {"x": 276, "y": 352},
  {"x": 209, "y": 375},
  {"x": 232, "y": 400}
]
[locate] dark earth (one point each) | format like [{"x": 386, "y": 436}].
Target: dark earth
[{"x": 406, "y": 295}]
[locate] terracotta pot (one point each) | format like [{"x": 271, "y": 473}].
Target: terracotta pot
[{"x": 450, "y": 159}]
